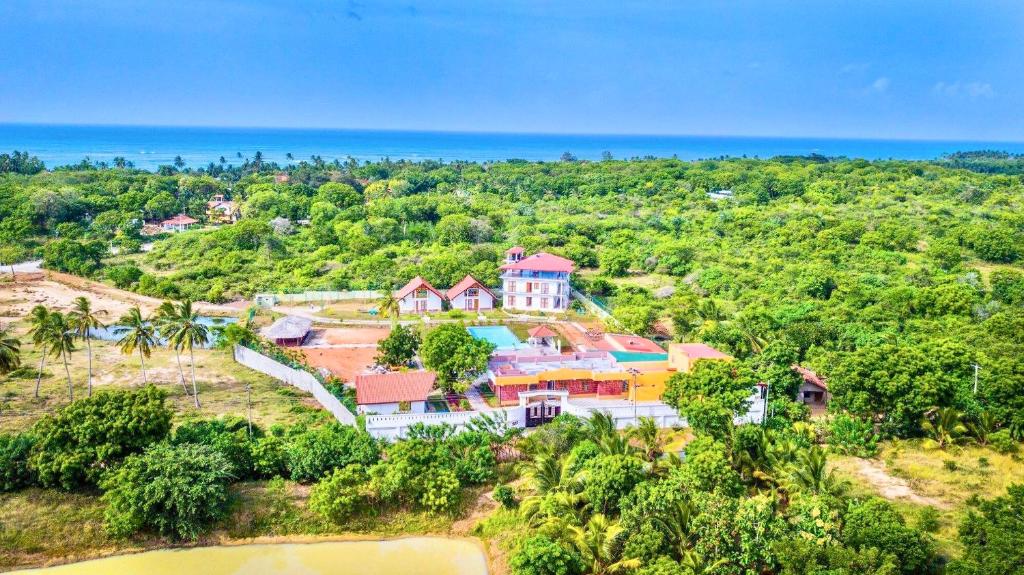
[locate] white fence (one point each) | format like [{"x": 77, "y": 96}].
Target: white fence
[
  {"x": 396, "y": 425},
  {"x": 269, "y": 299},
  {"x": 296, "y": 378}
]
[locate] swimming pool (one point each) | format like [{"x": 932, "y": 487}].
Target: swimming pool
[
  {"x": 630, "y": 356},
  {"x": 501, "y": 336}
]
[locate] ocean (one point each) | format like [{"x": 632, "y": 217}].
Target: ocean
[{"x": 150, "y": 147}]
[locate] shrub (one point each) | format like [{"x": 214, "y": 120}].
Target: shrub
[
  {"x": 315, "y": 453},
  {"x": 176, "y": 491},
  {"x": 75, "y": 445},
  {"x": 340, "y": 494},
  {"x": 1002, "y": 441},
  {"x": 228, "y": 436},
  {"x": 505, "y": 495},
  {"x": 993, "y": 539},
  {"x": 850, "y": 435},
  {"x": 442, "y": 492},
  {"x": 609, "y": 478},
  {"x": 270, "y": 457},
  {"x": 876, "y": 523},
  {"x": 540, "y": 555},
  {"x": 124, "y": 276},
  {"x": 928, "y": 519},
  {"x": 15, "y": 471},
  {"x": 950, "y": 465}
]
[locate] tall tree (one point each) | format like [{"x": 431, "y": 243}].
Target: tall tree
[
  {"x": 10, "y": 351},
  {"x": 388, "y": 306},
  {"x": 139, "y": 337},
  {"x": 189, "y": 332},
  {"x": 82, "y": 320},
  {"x": 166, "y": 321},
  {"x": 60, "y": 339},
  {"x": 39, "y": 318}
]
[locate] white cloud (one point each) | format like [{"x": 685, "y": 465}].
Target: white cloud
[
  {"x": 971, "y": 90},
  {"x": 854, "y": 68},
  {"x": 880, "y": 85}
]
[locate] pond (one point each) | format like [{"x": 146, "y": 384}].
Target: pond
[
  {"x": 213, "y": 324},
  {"x": 416, "y": 555}
]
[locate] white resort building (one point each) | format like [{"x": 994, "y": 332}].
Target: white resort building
[{"x": 536, "y": 283}]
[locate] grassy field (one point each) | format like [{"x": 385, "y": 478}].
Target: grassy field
[
  {"x": 949, "y": 481},
  {"x": 221, "y": 383}
]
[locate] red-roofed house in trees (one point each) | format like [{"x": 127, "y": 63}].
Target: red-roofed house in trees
[
  {"x": 418, "y": 296},
  {"x": 178, "y": 223},
  {"x": 470, "y": 295},
  {"x": 536, "y": 283}
]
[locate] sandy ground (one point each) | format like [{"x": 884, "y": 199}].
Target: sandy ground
[
  {"x": 352, "y": 335},
  {"x": 343, "y": 362},
  {"x": 892, "y": 487}
]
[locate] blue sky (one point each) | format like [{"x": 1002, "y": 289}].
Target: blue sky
[{"x": 885, "y": 69}]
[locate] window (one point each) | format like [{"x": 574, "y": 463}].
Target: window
[
  {"x": 472, "y": 292},
  {"x": 512, "y": 287},
  {"x": 544, "y": 287},
  {"x": 529, "y": 301},
  {"x": 544, "y": 303},
  {"x": 421, "y": 293},
  {"x": 511, "y": 301}
]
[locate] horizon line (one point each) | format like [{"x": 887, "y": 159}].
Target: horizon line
[{"x": 507, "y": 133}]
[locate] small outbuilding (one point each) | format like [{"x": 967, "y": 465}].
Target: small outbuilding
[
  {"x": 394, "y": 392},
  {"x": 178, "y": 223},
  {"x": 418, "y": 296},
  {"x": 543, "y": 336},
  {"x": 813, "y": 390},
  {"x": 289, "y": 331}
]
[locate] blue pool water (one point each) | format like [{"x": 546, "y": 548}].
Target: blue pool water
[
  {"x": 501, "y": 336},
  {"x": 213, "y": 325},
  {"x": 629, "y": 356}
]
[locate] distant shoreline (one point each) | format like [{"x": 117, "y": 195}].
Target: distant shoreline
[{"x": 150, "y": 147}]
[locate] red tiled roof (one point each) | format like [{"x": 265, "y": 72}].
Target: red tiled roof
[
  {"x": 635, "y": 343},
  {"x": 177, "y": 220},
  {"x": 541, "y": 331},
  {"x": 413, "y": 285},
  {"x": 514, "y": 250},
  {"x": 702, "y": 351},
  {"x": 466, "y": 283},
  {"x": 541, "y": 262},
  {"x": 393, "y": 387},
  {"x": 811, "y": 377}
]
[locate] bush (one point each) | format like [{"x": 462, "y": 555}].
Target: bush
[
  {"x": 505, "y": 495},
  {"x": 1003, "y": 442},
  {"x": 315, "y": 453},
  {"x": 609, "y": 478},
  {"x": 540, "y": 555},
  {"x": 994, "y": 539},
  {"x": 176, "y": 491},
  {"x": 340, "y": 494},
  {"x": 950, "y": 465},
  {"x": 78, "y": 443},
  {"x": 442, "y": 492},
  {"x": 15, "y": 471},
  {"x": 124, "y": 276},
  {"x": 876, "y": 523},
  {"x": 270, "y": 457},
  {"x": 928, "y": 519},
  {"x": 850, "y": 435},
  {"x": 228, "y": 436}
]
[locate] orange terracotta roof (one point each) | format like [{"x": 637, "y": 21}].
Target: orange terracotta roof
[
  {"x": 542, "y": 262},
  {"x": 541, "y": 331},
  {"x": 811, "y": 377},
  {"x": 466, "y": 283},
  {"x": 393, "y": 387},
  {"x": 413, "y": 285},
  {"x": 514, "y": 250}
]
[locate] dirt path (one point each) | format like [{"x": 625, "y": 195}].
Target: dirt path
[{"x": 891, "y": 487}]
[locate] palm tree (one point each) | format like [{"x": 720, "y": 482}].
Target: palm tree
[
  {"x": 389, "y": 306},
  {"x": 166, "y": 321},
  {"x": 61, "y": 340},
  {"x": 139, "y": 337},
  {"x": 596, "y": 544},
  {"x": 809, "y": 473},
  {"x": 677, "y": 525},
  {"x": 647, "y": 434},
  {"x": 10, "y": 352},
  {"x": 82, "y": 320},
  {"x": 944, "y": 429},
  {"x": 982, "y": 426},
  {"x": 39, "y": 317},
  {"x": 188, "y": 333}
]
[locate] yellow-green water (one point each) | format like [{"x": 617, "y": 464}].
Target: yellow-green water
[{"x": 413, "y": 556}]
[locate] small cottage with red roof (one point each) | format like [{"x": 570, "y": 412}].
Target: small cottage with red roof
[
  {"x": 418, "y": 296},
  {"x": 536, "y": 283},
  {"x": 470, "y": 295},
  {"x": 178, "y": 223},
  {"x": 813, "y": 391},
  {"x": 394, "y": 392}
]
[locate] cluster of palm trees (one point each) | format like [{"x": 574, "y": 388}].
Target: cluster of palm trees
[
  {"x": 560, "y": 509},
  {"x": 946, "y": 426},
  {"x": 56, "y": 335}
]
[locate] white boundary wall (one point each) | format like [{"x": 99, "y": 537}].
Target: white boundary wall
[
  {"x": 296, "y": 378},
  {"x": 396, "y": 425}
]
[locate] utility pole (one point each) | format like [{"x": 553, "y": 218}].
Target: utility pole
[
  {"x": 764, "y": 408},
  {"x": 634, "y": 372},
  {"x": 248, "y": 401},
  {"x": 976, "y": 368}
]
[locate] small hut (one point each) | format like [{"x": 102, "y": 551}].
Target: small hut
[
  {"x": 543, "y": 336},
  {"x": 289, "y": 331}
]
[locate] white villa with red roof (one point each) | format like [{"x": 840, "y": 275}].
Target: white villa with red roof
[
  {"x": 470, "y": 295},
  {"x": 178, "y": 223},
  {"x": 418, "y": 296},
  {"x": 394, "y": 392},
  {"x": 536, "y": 283}
]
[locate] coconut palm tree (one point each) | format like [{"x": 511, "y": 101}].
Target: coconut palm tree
[
  {"x": 809, "y": 473},
  {"x": 39, "y": 318},
  {"x": 166, "y": 322},
  {"x": 140, "y": 336},
  {"x": 60, "y": 339},
  {"x": 188, "y": 333},
  {"x": 677, "y": 524},
  {"x": 943, "y": 429},
  {"x": 596, "y": 544},
  {"x": 646, "y": 433},
  {"x": 388, "y": 306},
  {"x": 82, "y": 320},
  {"x": 10, "y": 352}
]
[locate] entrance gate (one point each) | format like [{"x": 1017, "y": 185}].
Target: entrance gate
[{"x": 542, "y": 412}]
